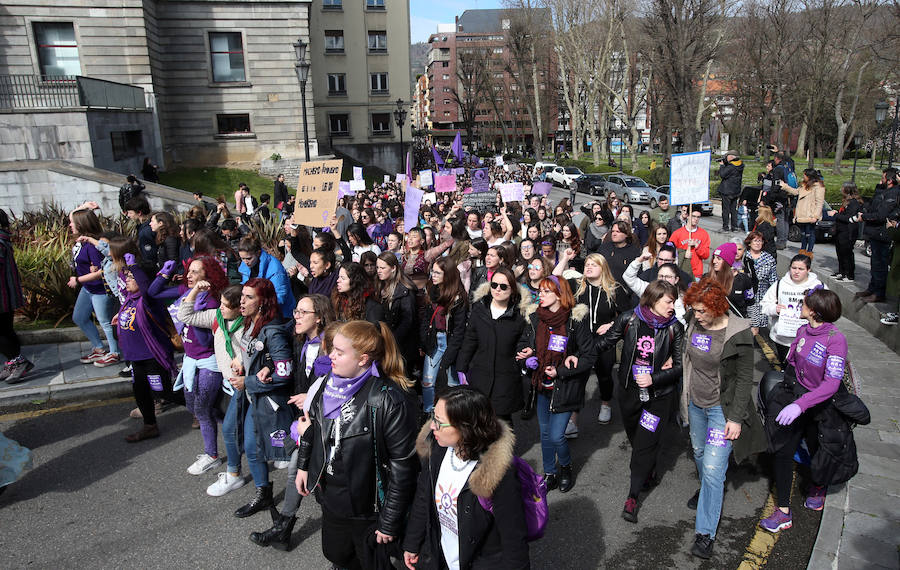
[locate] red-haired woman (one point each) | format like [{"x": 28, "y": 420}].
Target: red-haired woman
[
  {"x": 264, "y": 371},
  {"x": 717, "y": 400},
  {"x": 559, "y": 347},
  {"x": 648, "y": 379}
]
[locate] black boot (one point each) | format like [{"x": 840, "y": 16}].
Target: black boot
[
  {"x": 279, "y": 535},
  {"x": 283, "y": 540},
  {"x": 261, "y": 501},
  {"x": 551, "y": 481},
  {"x": 566, "y": 478}
]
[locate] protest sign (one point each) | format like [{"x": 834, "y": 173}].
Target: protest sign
[
  {"x": 429, "y": 197},
  {"x": 358, "y": 185},
  {"x": 317, "y": 192},
  {"x": 446, "y": 183},
  {"x": 512, "y": 192},
  {"x": 426, "y": 177},
  {"x": 458, "y": 171},
  {"x": 498, "y": 160},
  {"x": 400, "y": 178},
  {"x": 480, "y": 202},
  {"x": 344, "y": 189},
  {"x": 481, "y": 180},
  {"x": 689, "y": 178},
  {"x": 357, "y": 173},
  {"x": 411, "y": 207},
  {"x": 387, "y": 178},
  {"x": 541, "y": 188}
]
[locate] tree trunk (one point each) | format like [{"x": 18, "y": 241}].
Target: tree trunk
[{"x": 536, "y": 123}]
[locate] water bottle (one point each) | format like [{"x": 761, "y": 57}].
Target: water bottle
[{"x": 645, "y": 395}]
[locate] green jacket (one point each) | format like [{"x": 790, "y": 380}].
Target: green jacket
[{"x": 736, "y": 389}]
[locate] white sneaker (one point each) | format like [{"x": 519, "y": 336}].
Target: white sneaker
[
  {"x": 225, "y": 484},
  {"x": 571, "y": 430},
  {"x": 605, "y": 414},
  {"x": 281, "y": 464},
  {"x": 203, "y": 464}
]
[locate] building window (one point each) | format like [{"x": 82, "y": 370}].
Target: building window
[
  {"x": 337, "y": 84},
  {"x": 498, "y": 50},
  {"x": 446, "y": 90},
  {"x": 504, "y": 23},
  {"x": 381, "y": 123},
  {"x": 446, "y": 101},
  {"x": 126, "y": 144},
  {"x": 446, "y": 113},
  {"x": 375, "y": 4},
  {"x": 377, "y": 42},
  {"x": 332, "y": 4},
  {"x": 56, "y": 48},
  {"x": 233, "y": 124},
  {"x": 445, "y": 64},
  {"x": 378, "y": 82},
  {"x": 334, "y": 41},
  {"x": 226, "y": 53},
  {"x": 339, "y": 124},
  {"x": 445, "y": 76}
]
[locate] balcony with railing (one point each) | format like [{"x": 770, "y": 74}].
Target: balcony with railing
[{"x": 35, "y": 92}]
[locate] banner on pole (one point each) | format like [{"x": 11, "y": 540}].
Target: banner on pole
[
  {"x": 411, "y": 207},
  {"x": 689, "y": 178}
]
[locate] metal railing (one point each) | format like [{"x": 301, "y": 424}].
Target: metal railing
[{"x": 20, "y": 92}]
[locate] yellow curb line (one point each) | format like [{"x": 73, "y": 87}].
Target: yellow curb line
[
  {"x": 66, "y": 408},
  {"x": 757, "y": 553}
]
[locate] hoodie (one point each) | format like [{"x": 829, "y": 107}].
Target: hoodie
[
  {"x": 784, "y": 327},
  {"x": 818, "y": 356}
]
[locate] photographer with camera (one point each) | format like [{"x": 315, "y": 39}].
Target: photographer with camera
[
  {"x": 731, "y": 172},
  {"x": 775, "y": 197},
  {"x": 882, "y": 208}
]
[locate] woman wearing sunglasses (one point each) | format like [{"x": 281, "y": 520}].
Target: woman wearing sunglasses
[
  {"x": 466, "y": 455},
  {"x": 558, "y": 346},
  {"x": 487, "y": 359},
  {"x": 537, "y": 269}
]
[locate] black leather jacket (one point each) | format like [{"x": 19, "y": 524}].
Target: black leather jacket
[
  {"x": 668, "y": 343},
  {"x": 384, "y": 424}
]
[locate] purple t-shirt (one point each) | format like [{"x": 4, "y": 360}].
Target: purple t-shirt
[
  {"x": 818, "y": 356},
  {"x": 85, "y": 255},
  {"x": 131, "y": 341}
]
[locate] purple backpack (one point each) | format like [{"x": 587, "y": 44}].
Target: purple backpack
[{"x": 534, "y": 499}]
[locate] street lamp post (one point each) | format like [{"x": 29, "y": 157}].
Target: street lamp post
[
  {"x": 400, "y": 119},
  {"x": 857, "y": 142},
  {"x": 301, "y": 66}
]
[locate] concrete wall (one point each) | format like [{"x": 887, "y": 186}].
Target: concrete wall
[
  {"x": 47, "y": 136},
  {"x": 102, "y": 123},
  {"x": 385, "y": 156}
]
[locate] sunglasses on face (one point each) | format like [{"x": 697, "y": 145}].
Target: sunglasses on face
[{"x": 501, "y": 286}]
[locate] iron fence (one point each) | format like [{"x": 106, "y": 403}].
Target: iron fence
[{"x": 20, "y": 92}]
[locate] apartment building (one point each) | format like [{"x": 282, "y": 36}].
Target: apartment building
[{"x": 360, "y": 70}]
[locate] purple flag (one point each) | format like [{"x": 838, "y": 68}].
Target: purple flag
[
  {"x": 457, "y": 147},
  {"x": 541, "y": 188},
  {"x": 438, "y": 161},
  {"x": 409, "y": 165},
  {"x": 411, "y": 207}
]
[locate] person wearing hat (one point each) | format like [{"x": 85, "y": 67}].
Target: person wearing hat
[
  {"x": 725, "y": 269},
  {"x": 731, "y": 172}
]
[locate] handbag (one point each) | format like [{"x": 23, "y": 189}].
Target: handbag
[
  {"x": 170, "y": 332},
  {"x": 530, "y": 401}
]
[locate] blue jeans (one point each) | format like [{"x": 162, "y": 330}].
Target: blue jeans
[
  {"x": 554, "y": 444},
  {"x": 256, "y": 458},
  {"x": 230, "y": 433},
  {"x": 807, "y": 236},
  {"x": 104, "y": 306},
  {"x": 712, "y": 464},
  {"x": 430, "y": 372}
]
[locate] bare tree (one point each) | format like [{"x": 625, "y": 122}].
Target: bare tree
[{"x": 472, "y": 84}]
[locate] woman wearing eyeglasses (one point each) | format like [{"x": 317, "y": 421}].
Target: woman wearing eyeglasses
[
  {"x": 527, "y": 253},
  {"x": 717, "y": 400},
  {"x": 487, "y": 358},
  {"x": 443, "y": 327},
  {"x": 558, "y": 347},
  {"x": 467, "y": 457}
]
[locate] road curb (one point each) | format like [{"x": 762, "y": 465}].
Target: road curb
[
  {"x": 51, "y": 336},
  {"x": 94, "y": 389}
]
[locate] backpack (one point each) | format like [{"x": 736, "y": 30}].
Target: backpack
[
  {"x": 789, "y": 175},
  {"x": 534, "y": 499}
]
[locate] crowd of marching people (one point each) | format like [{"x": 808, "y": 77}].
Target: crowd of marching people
[{"x": 388, "y": 371}]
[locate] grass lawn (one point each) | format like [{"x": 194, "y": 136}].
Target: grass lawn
[
  {"x": 216, "y": 181},
  {"x": 40, "y": 324}
]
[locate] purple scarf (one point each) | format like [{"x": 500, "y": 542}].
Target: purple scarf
[
  {"x": 338, "y": 390},
  {"x": 653, "y": 320}
]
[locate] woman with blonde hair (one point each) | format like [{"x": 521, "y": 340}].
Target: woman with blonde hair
[
  {"x": 765, "y": 225},
  {"x": 357, "y": 444}
]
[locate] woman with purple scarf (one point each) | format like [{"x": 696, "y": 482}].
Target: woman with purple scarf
[
  {"x": 648, "y": 380},
  {"x": 144, "y": 341},
  {"x": 200, "y": 375}
]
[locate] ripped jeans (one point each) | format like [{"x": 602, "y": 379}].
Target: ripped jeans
[
  {"x": 430, "y": 372},
  {"x": 712, "y": 464}
]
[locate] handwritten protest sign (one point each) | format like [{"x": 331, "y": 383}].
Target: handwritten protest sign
[
  {"x": 512, "y": 192},
  {"x": 689, "y": 178},
  {"x": 358, "y": 185},
  {"x": 387, "y": 178},
  {"x": 411, "y": 207},
  {"x": 317, "y": 192},
  {"x": 445, "y": 183},
  {"x": 541, "y": 188},
  {"x": 400, "y": 178},
  {"x": 480, "y": 202},
  {"x": 426, "y": 177},
  {"x": 344, "y": 189},
  {"x": 498, "y": 160},
  {"x": 481, "y": 180},
  {"x": 357, "y": 173}
]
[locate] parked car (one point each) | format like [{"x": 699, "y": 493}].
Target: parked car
[
  {"x": 541, "y": 169},
  {"x": 706, "y": 208},
  {"x": 592, "y": 184},
  {"x": 564, "y": 176},
  {"x": 824, "y": 227},
  {"x": 629, "y": 189}
]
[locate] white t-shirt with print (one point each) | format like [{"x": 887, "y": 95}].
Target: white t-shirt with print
[{"x": 450, "y": 482}]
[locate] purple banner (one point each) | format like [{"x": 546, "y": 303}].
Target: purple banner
[
  {"x": 411, "y": 207},
  {"x": 481, "y": 181},
  {"x": 541, "y": 188}
]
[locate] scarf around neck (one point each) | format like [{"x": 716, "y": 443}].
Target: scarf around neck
[
  {"x": 653, "y": 320},
  {"x": 549, "y": 323},
  {"x": 339, "y": 389},
  {"x": 227, "y": 331}
]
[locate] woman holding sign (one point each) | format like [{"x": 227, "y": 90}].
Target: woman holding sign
[
  {"x": 717, "y": 400},
  {"x": 783, "y": 303},
  {"x": 648, "y": 379}
]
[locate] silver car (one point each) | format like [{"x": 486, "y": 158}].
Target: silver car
[
  {"x": 655, "y": 194},
  {"x": 629, "y": 189}
]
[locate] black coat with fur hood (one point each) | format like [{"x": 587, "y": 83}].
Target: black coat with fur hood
[
  {"x": 488, "y": 352},
  {"x": 486, "y": 540}
]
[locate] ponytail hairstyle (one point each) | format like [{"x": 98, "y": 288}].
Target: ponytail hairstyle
[
  {"x": 379, "y": 344},
  {"x": 268, "y": 304},
  {"x": 168, "y": 228}
]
